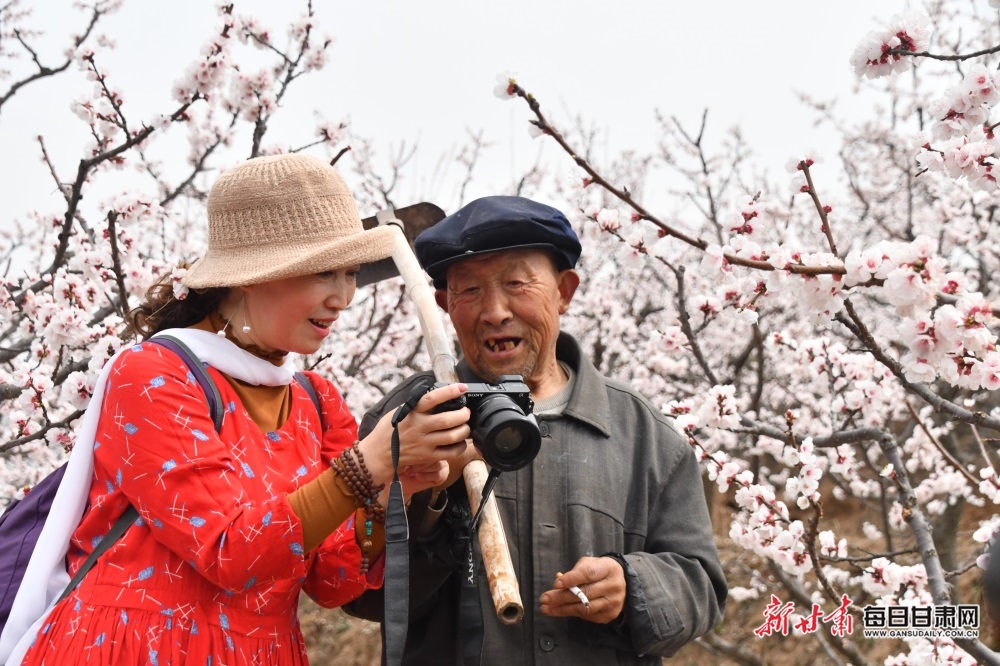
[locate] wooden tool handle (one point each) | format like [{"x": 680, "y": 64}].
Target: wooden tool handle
[{"x": 492, "y": 540}]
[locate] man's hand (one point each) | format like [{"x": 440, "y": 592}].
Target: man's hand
[{"x": 601, "y": 579}]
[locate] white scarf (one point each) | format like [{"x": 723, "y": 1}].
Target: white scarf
[{"x": 46, "y": 569}]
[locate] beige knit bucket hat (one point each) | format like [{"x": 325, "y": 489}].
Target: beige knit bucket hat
[{"x": 282, "y": 216}]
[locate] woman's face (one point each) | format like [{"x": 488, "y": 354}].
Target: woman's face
[{"x": 294, "y": 314}]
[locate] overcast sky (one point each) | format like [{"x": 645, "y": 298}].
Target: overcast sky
[{"x": 424, "y": 72}]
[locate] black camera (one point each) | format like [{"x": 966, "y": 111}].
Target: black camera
[{"x": 503, "y": 428}]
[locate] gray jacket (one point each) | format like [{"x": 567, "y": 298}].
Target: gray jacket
[{"x": 612, "y": 477}]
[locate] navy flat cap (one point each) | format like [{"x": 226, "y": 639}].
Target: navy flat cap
[{"x": 492, "y": 224}]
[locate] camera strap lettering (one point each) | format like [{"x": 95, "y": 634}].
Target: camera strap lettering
[{"x": 470, "y": 607}]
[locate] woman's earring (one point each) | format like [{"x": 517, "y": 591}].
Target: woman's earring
[
  {"x": 246, "y": 326},
  {"x": 222, "y": 333}
]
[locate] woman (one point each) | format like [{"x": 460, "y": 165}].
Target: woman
[{"x": 233, "y": 524}]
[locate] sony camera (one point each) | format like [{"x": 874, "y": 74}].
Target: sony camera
[{"x": 503, "y": 428}]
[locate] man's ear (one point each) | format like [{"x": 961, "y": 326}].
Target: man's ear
[
  {"x": 566, "y": 281},
  {"x": 441, "y": 296}
]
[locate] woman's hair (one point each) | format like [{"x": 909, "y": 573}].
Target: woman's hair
[{"x": 162, "y": 310}]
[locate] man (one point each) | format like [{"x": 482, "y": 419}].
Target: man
[{"x": 613, "y": 499}]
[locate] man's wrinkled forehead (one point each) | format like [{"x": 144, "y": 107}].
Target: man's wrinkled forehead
[{"x": 502, "y": 261}]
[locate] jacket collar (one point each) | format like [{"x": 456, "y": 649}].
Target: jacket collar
[{"x": 589, "y": 401}]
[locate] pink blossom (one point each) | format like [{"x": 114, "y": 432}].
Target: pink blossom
[
  {"x": 673, "y": 338},
  {"x": 743, "y": 247},
  {"x": 608, "y": 219},
  {"x": 505, "y": 86},
  {"x": 930, "y": 160},
  {"x": 917, "y": 369},
  {"x": 798, "y": 184},
  {"x": 905, "y": 287},
  {"x": 989, "y": 371},
  {"x": 719, "y": 410},
  {"x": 862, "y": 266},
  {"x": 740, "y": 594},
  {"x": 904, "y": 32}
]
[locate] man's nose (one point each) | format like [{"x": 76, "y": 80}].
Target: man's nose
[{"x": 495, "y": 307}]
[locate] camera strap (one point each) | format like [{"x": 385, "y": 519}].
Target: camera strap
[
  {"x": 397, "y": 553},
  {"x": 470, "y": 607},
  {"x": 491, "y": 480}
]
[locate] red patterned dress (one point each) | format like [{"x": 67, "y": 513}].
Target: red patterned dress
[{"x": 210, "y": 574}]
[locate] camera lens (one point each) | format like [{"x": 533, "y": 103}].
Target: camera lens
[
  {"x": 506, "y": 437},
  {"x": 507, "y": 440}
]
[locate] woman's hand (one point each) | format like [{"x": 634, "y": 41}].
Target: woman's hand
[{"x": 428, "y": 442}]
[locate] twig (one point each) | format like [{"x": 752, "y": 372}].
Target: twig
[
  {"x": 914, "y": 516},
  {"x": 685, "y": 321},
  {"x": 936, "y": 576},
  {"x": 962, "y": 568},
  {"x": 52, "y": 168},
  {"x": 470, "y": 162},
  {"x": 856, "y": 326},
  {"x": 76, "y": 194},
  {"x": 982, "y": 449},
  {"x": 936, "y": 56},
  {"x": 820, "y": 208},
  {"x": 870, "y": 556},
  {"x": 44, "y": 71},
  {"x": 810, "y": 539},
  {"x": 14, "y": 443},
  {"x": 340, "y": 154},
  {"x": 716, "y": 645},
  {"x": 885, "y": 506},
  {"x": 973, "y": 481},
  {"x": 116, "y": 262},
  {"x": 199, "y": 166},
  {"x": 290, "y": 67},
  {"x": 625, "y": 197}
]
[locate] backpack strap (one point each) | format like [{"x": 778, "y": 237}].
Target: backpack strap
[
  {"x": 207, "y": 384},
  {"x": 304, "y": 382},
  {"x": 199, "y": 373},
  {"x": 214, "y": 400},
  {"x": 124, "y": 522}
]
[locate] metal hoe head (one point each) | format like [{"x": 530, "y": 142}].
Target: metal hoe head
[{"x": 415, "y": 219}]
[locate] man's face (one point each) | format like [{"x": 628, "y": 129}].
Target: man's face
[{"x": 505, "y": 307}]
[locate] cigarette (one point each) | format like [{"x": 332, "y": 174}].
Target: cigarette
[
  {"x": 580, "y": 595},
  {"x": 578, "y": 592}
]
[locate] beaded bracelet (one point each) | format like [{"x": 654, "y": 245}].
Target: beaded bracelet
[{"x": 361, "y": 483}]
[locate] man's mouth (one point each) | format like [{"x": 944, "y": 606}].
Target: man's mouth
[{"x": 502, "y": 344}]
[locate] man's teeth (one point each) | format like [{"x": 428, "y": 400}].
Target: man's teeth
[{"x": 507, "y": 345}]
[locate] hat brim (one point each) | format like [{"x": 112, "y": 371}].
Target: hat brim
[
  {"x": 439, "y": 270},
  {"x": 265, "y": 263}
]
